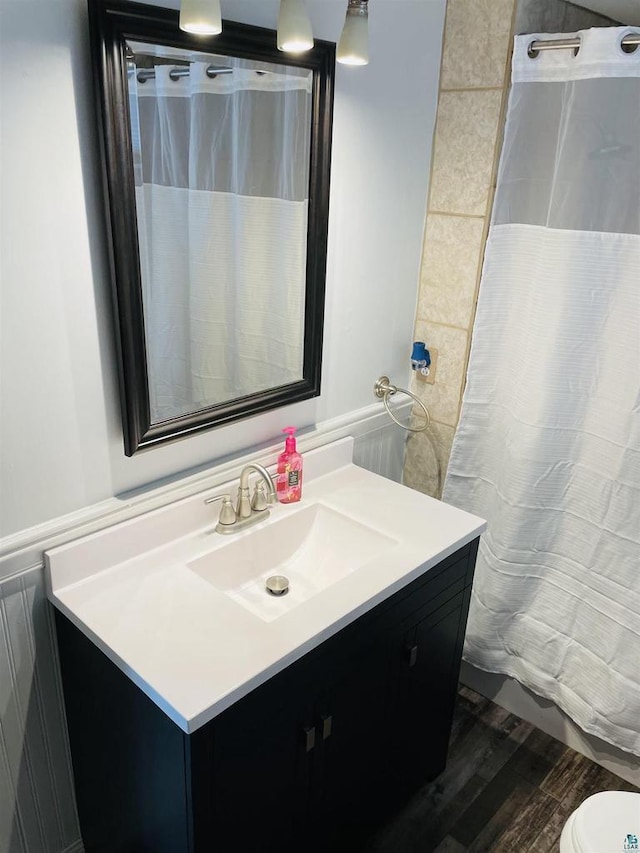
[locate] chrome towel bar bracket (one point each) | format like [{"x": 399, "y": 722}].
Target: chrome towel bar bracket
[{"x": 383, "y": 389}]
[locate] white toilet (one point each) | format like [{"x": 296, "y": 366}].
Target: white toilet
[{"x": 608, "y": 822}]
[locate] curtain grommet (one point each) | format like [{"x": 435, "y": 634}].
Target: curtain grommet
[{"x": 628, "y": 49}]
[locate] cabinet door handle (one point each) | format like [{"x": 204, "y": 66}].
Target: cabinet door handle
[
  {"x": 412, "y": 655},
  {"x": 327, "y": 722},
  {"x": 309, "y": 737}
]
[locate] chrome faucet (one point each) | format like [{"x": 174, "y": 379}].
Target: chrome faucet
[{"x": 248, "y": 510}]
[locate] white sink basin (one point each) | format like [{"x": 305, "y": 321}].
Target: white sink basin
[{"x": 314, "y": 548}]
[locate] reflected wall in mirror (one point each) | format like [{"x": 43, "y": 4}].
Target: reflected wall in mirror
[{"x": 216, "y": 154}]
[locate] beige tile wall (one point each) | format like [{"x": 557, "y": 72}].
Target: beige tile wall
[{"x": 474, "y": 83}]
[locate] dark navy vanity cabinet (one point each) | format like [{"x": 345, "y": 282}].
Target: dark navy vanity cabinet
[{"x": 310, "y": 760}]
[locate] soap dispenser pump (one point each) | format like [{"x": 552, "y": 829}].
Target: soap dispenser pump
[{"x": 289, "y": 483}]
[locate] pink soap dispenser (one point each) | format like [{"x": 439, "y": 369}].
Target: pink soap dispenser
[{"x": 289, "y": 484}]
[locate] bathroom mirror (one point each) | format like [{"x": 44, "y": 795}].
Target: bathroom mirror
[{"x": 216, "y": 156}]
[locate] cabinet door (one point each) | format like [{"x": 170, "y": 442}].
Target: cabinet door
[
  {"x": 348, "y": 763},
  {"x": 256, "y": 796},
  {"x": 128, "y": 756},
  {"x": 422, "y": 696}
]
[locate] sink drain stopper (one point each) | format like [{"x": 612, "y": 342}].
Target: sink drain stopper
[{"x": 278, "y": 585}]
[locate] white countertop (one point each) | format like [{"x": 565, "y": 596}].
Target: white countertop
[{"x": 190, "y": 647}]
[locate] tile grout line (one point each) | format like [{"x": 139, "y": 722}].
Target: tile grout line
[
  {"x": 435, "y": 212},
  {"x": 471, "y": 89}
]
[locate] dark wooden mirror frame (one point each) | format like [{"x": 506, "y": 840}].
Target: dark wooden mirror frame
[{"x": 111, "y": 23}]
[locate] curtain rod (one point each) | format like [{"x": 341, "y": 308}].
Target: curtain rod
[
  {"x": 632, "y": 40},
  {"x": 144, "y": 74}
]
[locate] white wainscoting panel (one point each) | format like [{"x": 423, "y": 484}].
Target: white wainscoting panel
[
  {"x": 37, "y": 804},
  {"x": 382, "y": 451},
  {"x": 37, "y": 807}
]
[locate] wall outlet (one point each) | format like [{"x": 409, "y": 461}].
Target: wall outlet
[{"x": 431, "y": 378}]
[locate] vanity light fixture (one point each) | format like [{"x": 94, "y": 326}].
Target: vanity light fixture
[
  {"x": 294, "y": 27},
  {"x": 201, "y": 17},
  {"x": 353, "y": 47}
]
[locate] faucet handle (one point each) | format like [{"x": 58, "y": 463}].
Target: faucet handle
[{"x": 227, "y": 512}]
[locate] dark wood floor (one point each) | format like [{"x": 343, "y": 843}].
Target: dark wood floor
[{"x": 507, "y": 788}]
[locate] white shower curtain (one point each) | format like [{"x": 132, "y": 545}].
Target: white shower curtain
[
  {"x": 222, "y": 168},
  {"x": 548, "y": 445}
]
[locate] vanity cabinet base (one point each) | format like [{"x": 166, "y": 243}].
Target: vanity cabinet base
[{"x": 311, "y": 760}]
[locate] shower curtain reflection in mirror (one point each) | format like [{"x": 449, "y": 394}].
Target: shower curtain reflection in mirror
[{"x": 221, "y": 164}]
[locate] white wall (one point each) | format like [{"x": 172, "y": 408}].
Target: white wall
[
  {"x": 60, "y": 431},
  {"x": 60, "y": 435}
]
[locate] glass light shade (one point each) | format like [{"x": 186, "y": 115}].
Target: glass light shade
[
  {"x": 353, "y": 47},
  {"x": 294, "y": 27},
  {"x": 201, "y": 17}
]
